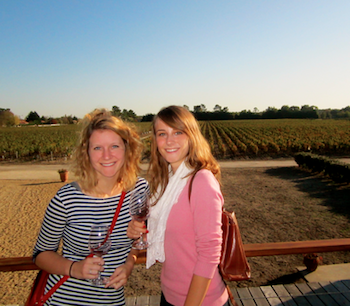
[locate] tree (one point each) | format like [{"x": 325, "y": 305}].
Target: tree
[
  {"x": 147, "y": 118},
  {"x": 309, "y": 111},
  {"x": 225, "y": 109},
  {"x": 128, "y": 115},
  {"x": 284, "y": 112},
  {"x": 185, "y": 106},
  {"x": 132, "y": 115},
  {"x": 116, "y": 111},
  {"x": 33, "y": 117},
  {"x": 17, "y": 120},
  {"x": 344, "y": 113},
  {"x": 199, "y": 108},
  {"x": 295, "y": 108},
  {"x": 217, "y": 108},
  {"x": 7, "y": 118},
  {"x": 245, "y": 115},
  {"x": 326, "y": 114},
  {"x": 270, "y": 113},
  {"x": 66, "y": 119}
]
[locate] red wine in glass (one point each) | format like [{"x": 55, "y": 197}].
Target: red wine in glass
[
  {"x": 99, "y": 245},
  {"x": 139, "y": 211}
]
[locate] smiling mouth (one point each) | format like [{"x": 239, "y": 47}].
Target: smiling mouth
[
  {"x": 108, "y": 165},
  {"x": 171, "y": 150}
]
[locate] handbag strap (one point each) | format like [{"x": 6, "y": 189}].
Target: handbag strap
[
  {"x": 191, "y": 182},
  {"x": 46, "y": 296},
  {"x": 230, "y": 295}
]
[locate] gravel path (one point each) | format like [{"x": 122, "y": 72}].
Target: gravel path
[{"x": 49, "y": 170}]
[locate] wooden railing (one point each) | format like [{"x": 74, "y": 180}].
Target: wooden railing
[{"x": 251, "y": 250}]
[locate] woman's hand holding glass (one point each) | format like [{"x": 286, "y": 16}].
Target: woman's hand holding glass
[
  {"x": 135, "y": 228},
  {"x": 139, "y": 208},
  {"x": 89, "y": 268},
  {"x": 99, "y": 244}
]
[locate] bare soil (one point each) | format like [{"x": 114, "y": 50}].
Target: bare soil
[{"x": 271, "y": 204}]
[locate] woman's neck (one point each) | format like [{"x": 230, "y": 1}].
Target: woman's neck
[{"x": 106, "y": 189}]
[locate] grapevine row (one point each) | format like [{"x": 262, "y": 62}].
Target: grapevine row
[{"x": 227, "y": 139}]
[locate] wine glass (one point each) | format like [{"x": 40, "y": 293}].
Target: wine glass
[
  {"x": 139, "y": 211},
  {"x": 99, "y": 244}
]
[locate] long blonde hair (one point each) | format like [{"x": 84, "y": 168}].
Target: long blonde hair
[
  {"x": 199, "y": 155},
  {"x": 102, "y": 119}
]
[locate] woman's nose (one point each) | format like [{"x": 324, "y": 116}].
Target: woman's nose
[
  {"x": 106, "y": 154},
  {"x": 169, "y": 139}
]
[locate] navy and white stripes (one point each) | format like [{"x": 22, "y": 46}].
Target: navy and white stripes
[{"x": 69, "y": 217}]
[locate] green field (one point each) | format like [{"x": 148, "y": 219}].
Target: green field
[{"x": 227, "y": 139}]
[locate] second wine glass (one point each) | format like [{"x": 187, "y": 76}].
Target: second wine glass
[
  {"x": 139, "y": 211},
  {"x": 99, "y": 244}
]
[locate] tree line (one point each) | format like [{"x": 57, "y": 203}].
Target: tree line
[
  {"x": 7, "y": 118},
  {"x": 34, "y": 118},
  {"x": 295, "y": 112},
  {"x": 285, "y": 112}
]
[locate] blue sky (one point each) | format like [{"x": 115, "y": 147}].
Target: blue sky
[{"x": 68, "y": 57}]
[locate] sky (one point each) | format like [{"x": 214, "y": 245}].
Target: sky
[{"x": 69, "y": 57}]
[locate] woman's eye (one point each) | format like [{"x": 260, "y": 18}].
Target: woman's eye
[
  {"x": 178, "y": 133},
  {"x": 97, "y": 148},
  {"x": 115, "y": 146}
]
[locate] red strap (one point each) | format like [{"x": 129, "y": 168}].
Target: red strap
[
  {"x": 117, "y": 212},
  {"x": 45, "y": 297}
]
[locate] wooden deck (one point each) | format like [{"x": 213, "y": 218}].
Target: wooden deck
[{"x": 299, "y": 294}]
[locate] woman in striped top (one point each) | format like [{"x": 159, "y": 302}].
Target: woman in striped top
[{"x": 106, "y": 161}]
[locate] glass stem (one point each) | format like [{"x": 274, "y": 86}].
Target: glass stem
[{"x": 141, "y": 238}]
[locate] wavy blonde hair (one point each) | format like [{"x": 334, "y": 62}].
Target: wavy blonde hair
[
  {"x": 199, "y": 155},
  {"x": 102, "y": 119}
]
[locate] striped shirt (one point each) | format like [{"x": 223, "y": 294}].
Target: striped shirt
[{"x": 69, "y": 217}]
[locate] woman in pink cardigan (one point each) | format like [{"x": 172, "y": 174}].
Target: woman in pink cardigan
[{"x": 184, "y": 227}]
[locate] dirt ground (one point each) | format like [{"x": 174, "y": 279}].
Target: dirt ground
[{"x": 272, "y": 204}]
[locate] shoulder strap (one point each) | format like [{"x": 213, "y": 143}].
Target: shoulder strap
[
  {"x": 46, "y": 296},
  {"x": 190, "y": 187},
  {"x": 121, "y": 200},
  {"x": 116, "y": 214}
]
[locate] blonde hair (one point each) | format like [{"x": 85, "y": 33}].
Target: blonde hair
[
  {"x": 199, "y": 155},
  {"x": 102, "y": 119}
]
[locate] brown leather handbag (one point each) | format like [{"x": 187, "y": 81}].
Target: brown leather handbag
[{"x": 233, "y": 263}]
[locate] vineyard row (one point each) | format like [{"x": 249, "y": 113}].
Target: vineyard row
[{"x": 227, "y": 139}]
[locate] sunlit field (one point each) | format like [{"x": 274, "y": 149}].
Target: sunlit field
[{"x": 227, "y": 139}]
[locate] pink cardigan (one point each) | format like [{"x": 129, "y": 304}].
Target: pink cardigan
[{"x": 193, "y": 242}]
